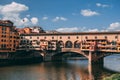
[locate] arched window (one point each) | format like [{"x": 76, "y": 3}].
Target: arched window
[
  {"x": 68, "y": 44},
  {"x": 60, "y": 44},
  {"x": 76, "y": 44}
]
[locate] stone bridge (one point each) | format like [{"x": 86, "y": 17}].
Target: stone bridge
[
  {"x": 92, "y": 54},
  {"x": 76, "y": 50}
]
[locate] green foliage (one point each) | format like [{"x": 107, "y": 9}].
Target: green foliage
[{"x": 113, "y": 77}]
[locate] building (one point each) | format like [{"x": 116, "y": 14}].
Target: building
[
  {"x": 37, "y": 29},
  {"x": 29, "y": 30},
  {"x": 83, "y": 40},
  {"x": 9, "y": 38}
]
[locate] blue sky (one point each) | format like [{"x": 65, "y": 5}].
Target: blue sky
[{"x": 63, "y": 15}]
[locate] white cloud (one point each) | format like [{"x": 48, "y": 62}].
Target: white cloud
[
  {"x": 77, "y": 29},
  {"x": 114, "y": 26},
  {"x": 101, "y": 5},
  {"x": 62, "y": 18},
  {"x": 88, "y": 12},
  {"x": 25, "y": 20},
  {"x": 59, "y": 19},
  {"x": 66, "y": 29},
  {"x": 13, "y": 12},
  {"x": 93, "y": 30},
  {"x": 13, "y": 8},
  {"x": 34, "y": 20},
  {"x": 45, "y": 18},
  {"x": 84, "y": 29},
  {"x": 56, "y": 19}
]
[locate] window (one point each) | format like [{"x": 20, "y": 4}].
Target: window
[
  {"x": 105, "y": 37},
  {"x": 37, "y": 37},
  {"x": 30, "y": 37},
  {"x": 44, "y": 37},
  {"x": 1, "y": 40},
  {"x": 3, "y": 32},
  {"x": 3, "y": 36},
  {"x": 4, "y": 28},
  {"x": 52, "y": 37},
  {"x": 95, "y": 37},
  {"x": 14, "y": 46},
  {"x": 68, "y": 37},
  {"x": 3, "y": 46},
  {"x": 4, "y": 40},
  {"x": 10, "y": 36},
  {"x": 21, "y": 37},
  {"x": 14, "y": 41},
  {"x": 77, "y": 37},
  {"x": 86, "y": 37},
  {"x": 60, "y": 37},
  {"x": 27, "y": 41},
  {"x": 116, "y": 37}
]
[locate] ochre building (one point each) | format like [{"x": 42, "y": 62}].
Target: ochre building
[{"x": 9, "y": 38}]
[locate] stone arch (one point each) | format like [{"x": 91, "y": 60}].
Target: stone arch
[
  {"x": 68, "y": 44},
  {"x": 61, "y": 44},
  {"x": 77, "y": 44},
  {"x": 58, "y": 56}
]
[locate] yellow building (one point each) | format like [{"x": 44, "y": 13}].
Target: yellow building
[{"x": 8, "y": 37}]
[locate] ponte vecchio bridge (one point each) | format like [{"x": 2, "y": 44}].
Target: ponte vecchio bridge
[{"x": 93, "y": 45}]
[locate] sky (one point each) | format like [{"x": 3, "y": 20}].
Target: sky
[{"x": 63, "y": 15}]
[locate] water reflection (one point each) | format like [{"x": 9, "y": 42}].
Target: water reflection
[{"x": 67, "y": 70}]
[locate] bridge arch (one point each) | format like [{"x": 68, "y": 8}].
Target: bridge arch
[
  {"x": 76, "y": 51},
  {"x": 68, "y": 44}
]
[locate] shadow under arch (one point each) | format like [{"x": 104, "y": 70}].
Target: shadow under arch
[{"x": 61, "y": 55}]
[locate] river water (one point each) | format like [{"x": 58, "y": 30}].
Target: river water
[{"x": 65, "y": 70}]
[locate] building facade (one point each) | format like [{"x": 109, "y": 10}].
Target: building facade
[
  {"x": 83, "y": 40},
  {"x": 9, "y": 38}
]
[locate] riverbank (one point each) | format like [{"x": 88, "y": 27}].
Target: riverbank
[
  {"x": 20, "y": 61},
  {"x": 113, "y": 77},
  {"x": 19, "y": 58}
]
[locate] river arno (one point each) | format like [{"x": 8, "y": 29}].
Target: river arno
[{"x": 66, "y": 70}]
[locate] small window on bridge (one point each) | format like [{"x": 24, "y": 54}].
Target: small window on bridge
[
  {"x": 105, "y": 37},
  {"x": 37, "y": 37},
  {"x": 68, "y": 37},
  {"x": 86, "y": 37},
  {"x": 60, "y": 37},
  {"x": 30, "y": 37},
  {"x": 95, "y": 37},
  {"x": 116, "y": 37},
  {"x": 52, "y": 37},
  {"x": 77, "y": 37},
  {"x": 44, "y": 37}
]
